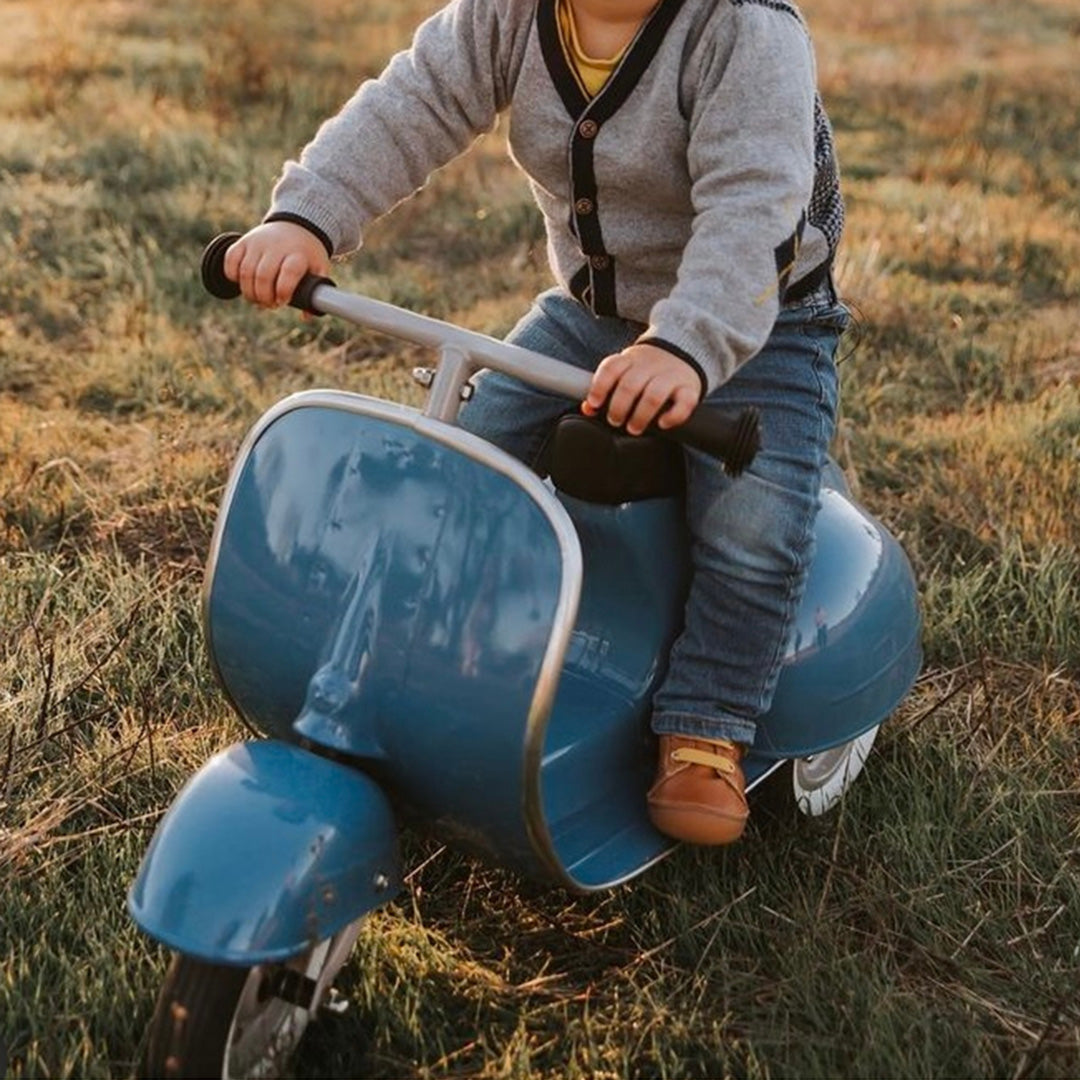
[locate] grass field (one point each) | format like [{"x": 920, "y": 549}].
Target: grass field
[{"x": 928, "y": 928}]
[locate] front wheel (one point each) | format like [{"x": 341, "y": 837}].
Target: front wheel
[{"x": 217, "y": 1020}]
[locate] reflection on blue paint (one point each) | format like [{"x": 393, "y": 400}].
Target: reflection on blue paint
[
  {"x": 403, "y": 595},
  {"x": 389, "y": 596}
]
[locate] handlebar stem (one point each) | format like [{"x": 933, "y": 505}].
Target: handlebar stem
[{"x": 447, "y": 388}]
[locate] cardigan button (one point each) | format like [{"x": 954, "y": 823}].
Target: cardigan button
[
  {"x": 600, "y": 262},
  {"x": 584, "y": 206},
  {"x": 587, "y": 129}
]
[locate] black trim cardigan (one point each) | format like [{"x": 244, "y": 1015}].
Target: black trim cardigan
[{"x": 696, "y": 193}]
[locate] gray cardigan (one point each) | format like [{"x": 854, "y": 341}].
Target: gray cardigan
[{"x": 695, "y": 194}]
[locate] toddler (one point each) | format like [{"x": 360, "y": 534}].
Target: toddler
[{"x": 684, "y": 166}]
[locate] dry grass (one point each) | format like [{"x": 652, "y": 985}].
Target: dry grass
[{"x": 928, "y": 929}]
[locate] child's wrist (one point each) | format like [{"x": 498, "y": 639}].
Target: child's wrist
[
  {"x": 311, "y": 227},
  {"x": 682, "y": 354}
]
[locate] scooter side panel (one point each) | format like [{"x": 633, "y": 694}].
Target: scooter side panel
[
  {"x": 853, "y": 657},
  {"x": 266, "y": 851},
  {"x": 856, "y": 647}
]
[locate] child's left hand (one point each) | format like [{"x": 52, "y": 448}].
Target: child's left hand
[{"x": 641, "y": 384}]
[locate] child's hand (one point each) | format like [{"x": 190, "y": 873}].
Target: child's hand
[
  {"x": 269, "y": 261},
  {"x": 641, "y": 384}
]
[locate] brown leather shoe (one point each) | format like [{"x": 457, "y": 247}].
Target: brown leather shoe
[{"x": 699, "y": 793}]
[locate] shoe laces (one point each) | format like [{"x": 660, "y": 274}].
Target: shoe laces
[{"x": 722, "y": 763}]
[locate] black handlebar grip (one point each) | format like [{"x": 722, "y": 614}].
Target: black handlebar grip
[
  {"x": 734, "y": 440},
  {"x": 212, "y": 272},
  {"x": 212, "y": 267}
]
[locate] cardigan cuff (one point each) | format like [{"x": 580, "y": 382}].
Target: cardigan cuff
[
  {"x": 682, "y": 354},
  {"x": 296, "y": 219}
]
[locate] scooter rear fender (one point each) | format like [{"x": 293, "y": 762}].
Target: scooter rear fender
[{"x": 267, "y": 850}]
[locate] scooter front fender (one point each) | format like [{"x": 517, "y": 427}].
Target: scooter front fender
[{"x": 268, "y": 849}]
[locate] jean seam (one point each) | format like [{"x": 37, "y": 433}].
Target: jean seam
[{"x": 801, "y": 567}]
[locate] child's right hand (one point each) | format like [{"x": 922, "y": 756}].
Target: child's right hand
[{"x": 269, "y": 261}]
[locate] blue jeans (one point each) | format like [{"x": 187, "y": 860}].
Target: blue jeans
[{"x": 752, "y": 537}]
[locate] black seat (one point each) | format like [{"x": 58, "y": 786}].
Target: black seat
[{"x": 589, "y": 459}]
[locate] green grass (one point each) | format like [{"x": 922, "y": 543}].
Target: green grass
[{"x": 928, "y": 928}]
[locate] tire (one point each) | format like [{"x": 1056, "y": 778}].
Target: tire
[
  {"x": 813, "y": 785},
  {"x": 218, "y": 1020}
]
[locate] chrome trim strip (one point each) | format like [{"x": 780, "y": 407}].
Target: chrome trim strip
[{"x": 566, "y": 607}]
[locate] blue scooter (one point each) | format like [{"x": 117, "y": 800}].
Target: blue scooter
[{"x": 427, "y": 632}]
